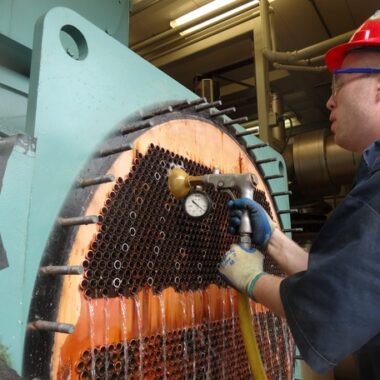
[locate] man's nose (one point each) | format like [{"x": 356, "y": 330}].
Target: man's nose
[{"x": 330, "y": 104}]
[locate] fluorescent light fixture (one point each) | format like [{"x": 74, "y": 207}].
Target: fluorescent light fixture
[
  {"x": 199, "y": 12},
  {"x": 218, "y": 18}
]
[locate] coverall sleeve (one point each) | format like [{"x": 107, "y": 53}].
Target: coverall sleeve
[{"x": 333, "y": 308}]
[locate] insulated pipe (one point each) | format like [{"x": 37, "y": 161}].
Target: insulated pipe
[
  {"x": 265, "y": 25},
  {"x": 296, "y": 58},
  {"x": 310, "y": 51},
  {"x": 300, "y": 61},
  {"x": 311, "y": 69},
  {"x": 272, "y": 31},
  {"x": 261, "y": 36},
  {"x": 307, "y": 62},
  {"x": 318, "y": 164},
  {"x": 341, "y": 164},
  {"x": 277, "y": 108}
]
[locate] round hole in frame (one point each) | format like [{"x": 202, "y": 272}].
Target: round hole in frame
[{"x": 73, "y": 42}]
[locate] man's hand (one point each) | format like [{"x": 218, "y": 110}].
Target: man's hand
[
  {"x": 241, "y": 268},
  {"x": 262, "y": 225}
]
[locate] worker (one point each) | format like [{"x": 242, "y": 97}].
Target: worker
[{"x": 331, "y": 296}]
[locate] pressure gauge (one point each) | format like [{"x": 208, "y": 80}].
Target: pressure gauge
[{"x": 197, "y": 204}]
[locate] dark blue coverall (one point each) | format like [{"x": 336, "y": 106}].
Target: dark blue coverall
[{"x": 333, "y": 308}]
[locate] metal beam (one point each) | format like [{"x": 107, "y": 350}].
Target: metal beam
[
  {"x": 14, "y": 81},
  {"x": 262, "y": 80}
]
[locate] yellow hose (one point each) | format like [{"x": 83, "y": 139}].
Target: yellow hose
[{"x": 249, "y": 338}]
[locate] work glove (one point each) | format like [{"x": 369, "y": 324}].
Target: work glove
[
  {"x": 241, "y": 268},
  {"x": 262, "y": 225}
]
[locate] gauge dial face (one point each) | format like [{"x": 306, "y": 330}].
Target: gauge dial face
[{"x": 197, "y": 204}]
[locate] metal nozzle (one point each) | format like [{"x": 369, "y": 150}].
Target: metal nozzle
[{"x": 178, "y": 183}]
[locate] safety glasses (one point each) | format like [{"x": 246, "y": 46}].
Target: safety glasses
[{"x": 337, "y": 79}]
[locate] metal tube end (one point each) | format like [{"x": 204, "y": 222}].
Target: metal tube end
[
  {"x": 41, "y": 325},
  {"x": 84, "y": 182},
  {"x": 77, "y": 220},
  {"x": 62, "y": 270},
  {"x": 236, "y": 121}
]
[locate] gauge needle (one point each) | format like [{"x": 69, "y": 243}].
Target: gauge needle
[{"x": 196, "y": 204}]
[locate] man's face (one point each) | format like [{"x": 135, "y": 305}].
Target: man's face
[{"x": 355, "y": 104}]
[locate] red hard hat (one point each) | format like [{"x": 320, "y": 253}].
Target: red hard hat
[{"x": 368, "y": 34}]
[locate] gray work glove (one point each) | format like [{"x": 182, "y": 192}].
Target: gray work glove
[{"x": 241, "y": 268}]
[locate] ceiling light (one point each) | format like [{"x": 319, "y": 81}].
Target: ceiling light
[
  {"x": 199, "y": 12},
  {"x": 219, "y": 17}
]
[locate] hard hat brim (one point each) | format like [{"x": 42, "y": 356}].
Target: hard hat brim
[{"x": 335, "y": 56}]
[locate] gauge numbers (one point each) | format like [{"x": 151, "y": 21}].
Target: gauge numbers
[{"x": 197, "y": 204}]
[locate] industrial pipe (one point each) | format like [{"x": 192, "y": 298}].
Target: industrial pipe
[
  {"x": 310, "y": 51},
  {"x": 318, "y": 164},
  {"x": 300, "y": 67},
  {"x": 278, "y": 130}
]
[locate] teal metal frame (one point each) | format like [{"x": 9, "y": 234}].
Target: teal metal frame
[
  {"x": 18, "y": 17},
  {"x": 75, "y": 99}
]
